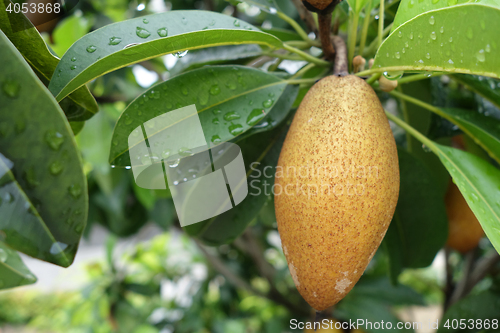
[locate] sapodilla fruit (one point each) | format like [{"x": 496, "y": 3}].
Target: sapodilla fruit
[
  {"x": 336, "y": 187},
  {"x": 464, "y": 230}
]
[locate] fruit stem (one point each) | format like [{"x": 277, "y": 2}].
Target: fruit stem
[
  {"x": 325, "y": 26},
  {"x": 366, "y": 25},
  {"x": 340, "y": 66},
  {"x": 373, "y": 78},
  {"x": 381, "y": 23},
  {"x": 294, "y": 25}
]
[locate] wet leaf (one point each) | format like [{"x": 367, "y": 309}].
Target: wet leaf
[
  {"x": 408, "y": 9},
  {"x": 260, "y": 154},
  {"x": 434, "y": 41},
  {"x": 478, "y": 181},
  {"x": 230, "y": 101},
  {"x": 80, "y": 105},
  {"x": 124, "y": 43},
  {"x": 487, "y": 87},
  {"x": 13, "y": 272},
  {"x": 43, "y": 189}
]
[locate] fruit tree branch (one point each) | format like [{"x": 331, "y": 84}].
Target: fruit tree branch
[
  {"x": 325, "y": 24},
  {"x": 340, "y": 66}
]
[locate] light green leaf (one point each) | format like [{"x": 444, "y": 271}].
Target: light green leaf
[
  {"x": 124, "y": 43},
  {"x": 69, "y": 31},
  {"x": 13, "y": 272},
  {"x": 42, "y": 185},
  {"x": 80, "y": 105},
  {"x": 230, "y": 101},
  {"x": 478, "y": 181},
  {"x": 357, "y": 5},
  {"x": 408, "y": 9},
  {"x": 458, "y": 39}
]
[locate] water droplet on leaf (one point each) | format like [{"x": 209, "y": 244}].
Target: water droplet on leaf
[
  {"x": 163, "y": 32},
  {"x": 91, "y": 49},
  {"x": 232, "y": 115},
  {"x": 142, "y": 33},
  {"x": 115, "y": 40},
  {"x": 54, "y": 139}
]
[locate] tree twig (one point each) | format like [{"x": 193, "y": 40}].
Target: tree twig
[
  {"x": 306, "y": 16},
  {"x": 461, "y": 287},
  {"x": 325, "y": 25},
  {"x": 448, "y": 289},
  {"x": 484, "y": 267}
]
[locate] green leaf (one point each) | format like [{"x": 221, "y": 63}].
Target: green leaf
[
  {"x": 483, "y": 129},
  {"x": 420, "y": 227},
  {"x": 43, "y": 188},
  {"x": 260, "y": 154},
  {"x": 485, "y": 86},
  {"x": 478, "y": 181},
  {"x": 283, "y": 34},
  {"x": 214, "y": 55},
  {"x": 69, "y": 31},
  {"x": 230, "y": 101},
  {"x": 408, "y": 9},
  {"x": 80, "y": 105},
  {"x": 13, "y": 272},
  {"x": 434, "y": 41},
  {"x": 124, "y": 43},
  {"x": 357, "y": 5},
  {"x": 483, "y": 306}
]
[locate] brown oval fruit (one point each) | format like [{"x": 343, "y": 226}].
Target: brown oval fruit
[
  {"x": 464, "y": 230},
  {"x": 338, "y": 175}
]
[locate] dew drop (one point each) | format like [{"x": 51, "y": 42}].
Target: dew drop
[
  {"x": 217, "y": 111},
  {"x": 215, "y": 121},
  {"x": 91, "y": 49},
  {"x": 180, "y": 54},
  {"x": 232, "y": 115},
  {"x": 469, "y": 33},
  {"x": 411, "y": 35},
  {"x": 397, "y": 55},
  {"x": 79, "y": 227},
  {"x": 142, "y": 33},
  {"x": 184, "y": 90},
  {"x": 428, "y": 55},
  {"x": 450, "y": 40},
  {"x": 214, "y": 90},
  {"x": 255, "y": 116},
  {"x": 268, "y": 103},
  {"x": 54, "y": 139},
  {"x": 73, "y": 59},
  {"x": 115, "y": 40},
  {"x": 30, "y": 177},
  {"x": 433, "y": 35},
  {"x": 441, "y": 30},
  {"x": 393, "y": 75},
  {"x": 75, "y": 190},
  {"x": 487, "y": 48},
  {"x": 236, "y": 23},
  {"x": 3, "y": 255},
  {"x": 216, "y": 138},
  {"x": 420, "y": 35},
  {"x": 235, "y": 129},
  {"x": 432, "y": 20},
  {"x": 145, "y": 21},
  {"x": 480, "y": 56},
  {"x": 400, "y": 34},
  {"x": 11, "y": 88},
  {"x": 166, "y": 153},
  {"x": 184, "y": 151},
  {"x": 174, "y": 163},
  {"x": 163, "y": 32},
  {"x": 184, "y": 21},
  {"x": 56, "y": 168}
]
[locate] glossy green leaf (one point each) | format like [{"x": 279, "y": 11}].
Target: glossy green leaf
[
  {"x": 80, "y": 105},
  {"x": 482, "y": 307},
  {"x": 487, "y": 87},
  {"x": 13, "y": 272},
  {"x": 420, "y": 227},
  {"x": 478, "y": 181},
  {"x": 458, "y": 39},
  {"x": 408, "y": 9},
  {"x": 43, "y": 188},
  {"x": 260, "y": 154},
  {"x": 214, "y": 55},
  {"x": 483, "y": 129},
  {"x": 230, "y": 101},
  {"x": 283, "y": 34},
  {"x": 124, "y": 43}
]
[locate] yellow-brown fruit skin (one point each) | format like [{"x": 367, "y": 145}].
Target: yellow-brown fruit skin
[
  {"x": 464, "y": 230},
  {"x": 328, "y": 240}
]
